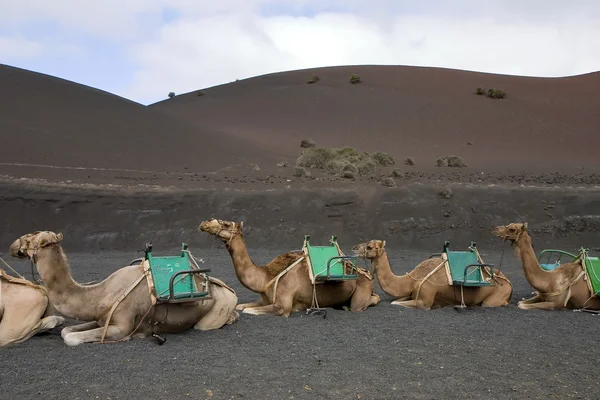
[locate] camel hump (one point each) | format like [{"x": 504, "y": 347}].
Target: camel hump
[{"x": 219, "y": 282}]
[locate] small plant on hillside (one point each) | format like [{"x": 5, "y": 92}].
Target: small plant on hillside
[
  {"x": 171, "y": 95},
  {"x": 201, "y": 93},
  {"x": 354, "y": 79},
  {"x": 301, "y": 172},
  {"x": 496, "y": 94},
  {"x": 480, "y": 91},
  {"x": 409, "y": 161},
  {"x": 338, "y": 161},
  {"x": 383, "y": 159},
  {"x": 308, "y": 143},
  {"x": 313, "y": 79},
  {"x": 446, "y": 193},
  {"x": 451, "y": 161}
]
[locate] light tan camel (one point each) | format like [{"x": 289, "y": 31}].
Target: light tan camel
[
  {"x": 294, "y": 290},
  {"x": 563, "y": 287},
  {"x": 134, "y": 315},
  {"x": 24, "y": 310},
  {"x": 426, "y": 286}
]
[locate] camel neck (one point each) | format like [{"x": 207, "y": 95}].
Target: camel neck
[
  {"x": 249, "y": 274},
  {"x": 534, "y": 273},
  {"x": 391, "y": 284},
  {"x": 67, "y": 296}
]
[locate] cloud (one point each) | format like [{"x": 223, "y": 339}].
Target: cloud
[
  {"x": 197, "y": 52},
  {"x": 17, "y": 47}
]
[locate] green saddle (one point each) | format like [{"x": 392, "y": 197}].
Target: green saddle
[
  {"x": 465, "y": 268},
  {"x": 173, "y": 277},
  {"x": 327, "y": 263}
]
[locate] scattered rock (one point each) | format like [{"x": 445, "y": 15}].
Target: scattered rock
[
  {"x": 308, "y": 143},
  {"x": 446, "y": 193},
  {"x": 282, "y": 164},
  {"x": 389, "y": 182},
  {"x": 256, "y": 168}
]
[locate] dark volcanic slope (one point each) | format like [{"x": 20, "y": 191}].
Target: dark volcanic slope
[
  {"x": 543, "y": 124},
  {"x": 51, "y": 121}
]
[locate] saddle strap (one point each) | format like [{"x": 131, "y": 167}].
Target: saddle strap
[
  {"x": 116, "y": 304},
  {"x": 279, "y": 275}
]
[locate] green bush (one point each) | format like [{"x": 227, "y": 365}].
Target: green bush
[
  {"x": 338, "y": 161},
  {"x": 354, "y": 79},
  {"x": 496, "y": 94},
  {"x": 479, "y": 91},
  {"x": 383, "y": 159},
  {"x": 313, "y": 79},
  {"x": 451, "y": 161}
]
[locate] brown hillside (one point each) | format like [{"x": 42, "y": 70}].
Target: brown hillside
[
  {"x": 50, "y": 121},
  {"x": 544, "y": 124}
]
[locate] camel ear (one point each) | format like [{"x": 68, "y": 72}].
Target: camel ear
[
  {"x": 525, "y": 227},
  {"x": 59, "y": 236},
  {"x": 241, "y": 225},
  {"x": 382, "y": 244}
]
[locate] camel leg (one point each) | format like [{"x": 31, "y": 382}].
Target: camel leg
[
  {"x": 78, "y": 328},
  {"x": 268, "y": 309},
  {"x": 543, "y": 305},
  {"x": 411, "y": 304},
  {"x": 113, "y": 332},
  {"x": 258, "y": 303},
  {"x": 16, "y": 329},
  {"x": 222, "y": 313},
  {"x": 530, "y": 300},
  {"x": 357, "y": 305}
]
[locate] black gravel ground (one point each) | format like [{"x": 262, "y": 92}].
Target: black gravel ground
[{"x": 387, "y": 352}]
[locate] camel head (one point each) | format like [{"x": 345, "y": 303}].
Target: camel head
[
  {"x": 27, "y": 245},
  {"x": 224, "y": 230},
  {"x": 370, "y": 250},
  {"x": 511, "y": 232}
]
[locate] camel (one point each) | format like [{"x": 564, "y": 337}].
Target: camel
[
  {"x": 562, "y": 287},
  {"x": 284, "y": 283},
  {"x": 24, "y": 310},
  {"x": 116, "y": 308},
  {"x": 426, "y": 286}
]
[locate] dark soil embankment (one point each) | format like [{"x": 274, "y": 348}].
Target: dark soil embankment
[{"x": 420, "y": 216}]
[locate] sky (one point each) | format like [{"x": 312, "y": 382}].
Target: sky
[{"x": 144, "y": 49}]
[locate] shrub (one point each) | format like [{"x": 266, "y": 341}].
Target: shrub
[
  {"x": 383, "y": 159},
  {"x": 308, "y": 143},
  {"x": 479, "y": 91},
  {"x": 354, "y": 79},
  {"x": 313, "y": 79},
  {"x": 409, "y": 161},
  {"x": 337, "y": 161},
  {"x": 171, "y": 95},
  {"x": 282, "y": 164},
  {"x": 301, "y": 172},
  {"x": 451, "y": 161},
  {"x": 348, "y": 175},
  {"x": 496, "y": 94},
  {"x": 200, "y": 93}
]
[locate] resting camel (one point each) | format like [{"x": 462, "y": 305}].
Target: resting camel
[
  {"x": 426, "y": 287},
  {"x": 123, "y": 295},
  {"x": 294, "y": 290},
  {"x": 562, "y": 287},
  {"x": 24, "y": 310}
]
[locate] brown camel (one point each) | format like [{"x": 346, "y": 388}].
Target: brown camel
[
  {"x": 122, "y": 295},
  {"x": 427, "y": 287},
  {"x": 563, "y": 287},
  {"x": 24, "y": 310},
  {"x": 284, "y": 283}
]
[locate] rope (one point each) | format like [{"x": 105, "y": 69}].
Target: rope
[
  {"x": 11, "y": 268},
  {"x": 276, "y": 279},
  {"x": 116, "y": 304}
]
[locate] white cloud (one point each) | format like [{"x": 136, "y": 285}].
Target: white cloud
[
  {"x": 19, "y": 47},
  {"x": 198, "y": 52}
]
